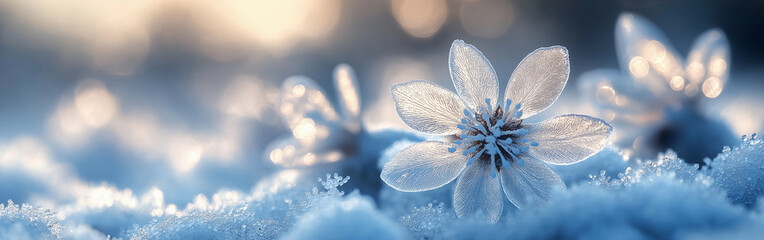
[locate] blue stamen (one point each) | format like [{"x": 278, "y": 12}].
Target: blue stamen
[{"x": 476, "y": 156}]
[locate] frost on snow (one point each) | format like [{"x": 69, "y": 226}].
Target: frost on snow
[
  {"x": 27, "y": 222},
  {"x": 740, "y": 171},
  {"x": 277, "y": 214},
  {"x": 487, "y": 147},
  {"x": 667, "y": 164},
  {"x": 428, "y": 220}
]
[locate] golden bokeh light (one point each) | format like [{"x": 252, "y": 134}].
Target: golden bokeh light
[
  {"x": 305, "y": 131},
  {"x": 677, "y": 83},
  {"x": 298, "y": 90},
  {"x": 420, "y": 18},
  {"x": 712, "y": 87},
  {"x": 639, "y": 67},
  {"x": 605, "y": 93},
  {"x": 96, "y": 105},
  {"x": 276, "y": 156}
]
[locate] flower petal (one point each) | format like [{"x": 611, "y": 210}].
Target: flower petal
[
  {"x": 427, "y": 107},
  {"x": 423, "y": 166},
  {"x": 473, "y": 76},
  {"x": 531, "y": 184},
  {"x": 538, "y": 80},
  {"x": 568, "y": 139},
  {"x": 347, "y": 91},
  {"x": 477, "y": 191}
]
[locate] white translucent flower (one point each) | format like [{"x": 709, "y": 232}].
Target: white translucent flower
[
  {"x": 487, "y": 141},
  {"x": 319, "y": 133},
  {"x": 653, "y": 99}
]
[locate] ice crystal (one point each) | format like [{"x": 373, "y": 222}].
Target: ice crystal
[
  {"x": 28, "y": 222},
  {"x": 237, "y": 223},
  {"x": 666, "y": 164},
  {"x": 427, "y": 221},
  {"x": 331, "y": 183},
  {"x": 252, "y": 217},
  {"x": 740, "y": 171}
]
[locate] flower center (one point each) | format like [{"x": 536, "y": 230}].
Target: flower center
[{"x": 495, "y": 135}]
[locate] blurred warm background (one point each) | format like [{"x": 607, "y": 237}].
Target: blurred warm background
[{"x": 178, "y": 94}]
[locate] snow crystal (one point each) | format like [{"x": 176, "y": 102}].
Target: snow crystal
[
  {"x": 27, "y": 222},
  {"x": 265, "y": 213},
  {"x": 233, "y": 224},
  {"x": 667, "y": 164},
  {"x": 740, "y": 171},
  {"x": 425, "y": 222}
]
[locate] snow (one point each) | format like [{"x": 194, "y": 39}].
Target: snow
[
  {"x": 28, "y": 222},
  {"x": 610, "y": 195},
  {"x": 740, "y": 171}
]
